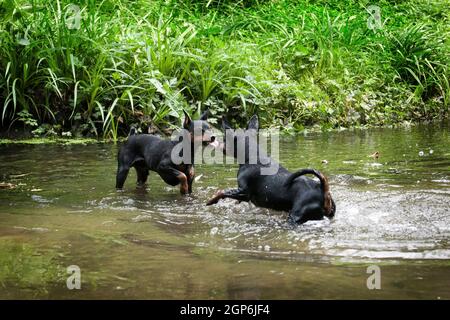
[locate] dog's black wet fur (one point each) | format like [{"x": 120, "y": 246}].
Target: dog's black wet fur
[
  {"x": 147, "y": 152},
  {"x": 305, "y": 199}
]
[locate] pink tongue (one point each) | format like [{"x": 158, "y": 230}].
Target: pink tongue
[{"x": 215, "y": 143}]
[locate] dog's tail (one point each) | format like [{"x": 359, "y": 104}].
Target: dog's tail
[
  {"x": 133, "y": 132},
  {"x": 328, "y": 204}
]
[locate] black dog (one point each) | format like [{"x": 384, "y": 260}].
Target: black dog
[
  {"x": 304, "y": 199},
  {"x": 147, "y": 152}
]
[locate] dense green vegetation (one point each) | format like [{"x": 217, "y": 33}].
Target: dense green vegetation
[{"x": 296, "y": 63}]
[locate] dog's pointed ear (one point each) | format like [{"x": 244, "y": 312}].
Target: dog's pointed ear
[
  {"x": 225, "y": 124},
  {"x": 204, "y": 115},
  {"x": 187, "y": 120},
  {"x": 253, "y": 123}
]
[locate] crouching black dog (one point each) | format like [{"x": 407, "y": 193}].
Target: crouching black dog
[
  {"x": 147, "y": 152},
  {"x": 305, "y": 199}
]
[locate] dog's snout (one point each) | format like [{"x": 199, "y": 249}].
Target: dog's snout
[{"x": 213, "y": 138}]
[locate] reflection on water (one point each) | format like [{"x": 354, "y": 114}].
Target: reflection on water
[{"x": 154, "y": 243}]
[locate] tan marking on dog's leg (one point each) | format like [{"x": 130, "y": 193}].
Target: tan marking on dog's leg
[
  {"x": 219, "y": 195},
  {"x": 191, "y": 173},
  {"x": 184, "y": 188}
]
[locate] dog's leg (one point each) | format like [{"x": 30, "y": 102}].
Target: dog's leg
[
  {"x": 173, "y": 177},
  {"x": 237, "y": 194},
  {"x": 142, "y": 175},
  {"x": 122, "y": 172},
  {"x": 124, "y": 162},
  {"x": 297, "y": 212},
  {"x": 190, "y": 177},
  {"x": 305, "y": 209},
  {"x": 184, "y": 187}
]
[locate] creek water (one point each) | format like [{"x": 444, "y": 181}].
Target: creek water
[{"x": 153, "y": 243}]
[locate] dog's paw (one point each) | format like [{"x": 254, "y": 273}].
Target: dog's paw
[
  {"x": 215, "y": 199},
  {"x": 184, "y": 189}
]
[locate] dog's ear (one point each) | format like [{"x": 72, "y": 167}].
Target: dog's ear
[
  {"x": 253, "y": 123},
  {"x": 187, "y": 120},
  {"x": 204, "y": 115},
  {"x": 225, "y": 124}
]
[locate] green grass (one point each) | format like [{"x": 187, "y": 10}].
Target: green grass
[{"x": 295, "y": 63}]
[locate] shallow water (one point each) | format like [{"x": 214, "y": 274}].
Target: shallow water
[{"x": 392, "y": 212}]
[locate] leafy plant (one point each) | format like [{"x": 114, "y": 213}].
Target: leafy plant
[{"x": 295, "y": 63}]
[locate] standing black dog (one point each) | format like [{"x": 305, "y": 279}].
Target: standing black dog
[
  {"x": 304, "y": 199},
  {"x": 147, "y": 152}
]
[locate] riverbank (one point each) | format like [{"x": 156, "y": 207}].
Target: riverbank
[
  {"x": 66, "y": 141},
  {"x": 96, "y": 69},
  {"x": 26, "y": 138}
]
